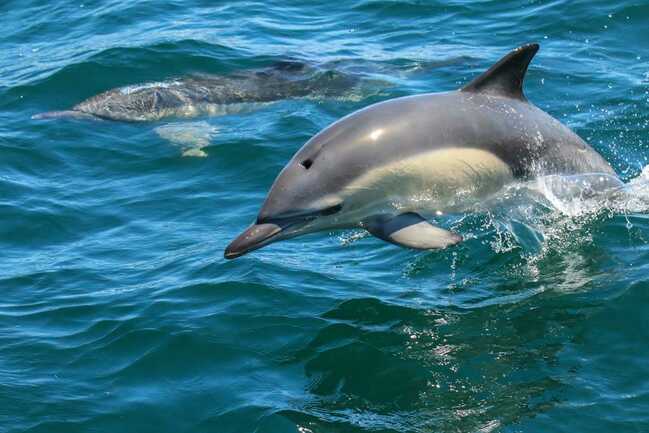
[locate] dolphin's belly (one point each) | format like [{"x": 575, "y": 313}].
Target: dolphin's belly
[{"x": 442, "y": 180}]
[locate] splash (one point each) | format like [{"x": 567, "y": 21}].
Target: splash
[
  {"x": 636, "y": 194},
  {"x": 591, "y": 194},
  {"x": 579, "y": 194},
  {"x": 569, "y": 197},
  {"x": 549, "y": 232},
  {"x": 553, "y": 216}
]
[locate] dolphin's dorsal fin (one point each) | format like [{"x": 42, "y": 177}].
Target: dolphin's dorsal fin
[{"x": 505, "y": 78}]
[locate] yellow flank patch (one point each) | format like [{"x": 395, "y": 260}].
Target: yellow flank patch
[{"x": 433, "y": 178}]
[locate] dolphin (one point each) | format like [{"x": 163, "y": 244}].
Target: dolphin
[
  {"x": 389, "y": 166},
  {"x": 210, "y": 94}
]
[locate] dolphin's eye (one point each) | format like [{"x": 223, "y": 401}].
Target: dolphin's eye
[{"x": 307, "y": 163}]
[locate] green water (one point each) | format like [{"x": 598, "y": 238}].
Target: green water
[{"x": 119, "y": 313}]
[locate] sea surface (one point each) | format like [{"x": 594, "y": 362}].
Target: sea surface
[{"x": 119, "y": 314}]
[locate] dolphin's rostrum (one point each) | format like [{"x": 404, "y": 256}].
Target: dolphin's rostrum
[{"x": 385, "y": 167}]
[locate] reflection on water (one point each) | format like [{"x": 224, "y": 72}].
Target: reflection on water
[{"x": 385, "y": 367}]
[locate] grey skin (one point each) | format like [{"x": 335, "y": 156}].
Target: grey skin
[
  {"x": 387, "y": 166},
  {"x": 209, "y": 94}
]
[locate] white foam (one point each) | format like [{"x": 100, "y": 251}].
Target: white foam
[
  {"x": 578, "y": 194},
  {"x": 554, "y": 213}
]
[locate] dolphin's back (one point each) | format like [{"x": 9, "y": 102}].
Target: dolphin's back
[
  {"x": 527, "y": 139},
  {"x": 211, "y": 94},
  {"x": 490, "y": 114}
]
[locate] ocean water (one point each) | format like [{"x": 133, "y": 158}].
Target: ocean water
[{"x": 119, "y": 313}]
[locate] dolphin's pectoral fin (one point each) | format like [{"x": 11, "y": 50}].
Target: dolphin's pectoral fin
[{"x": 411, "y": 230}]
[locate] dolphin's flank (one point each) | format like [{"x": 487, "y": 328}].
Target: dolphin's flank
[{"x": 387, "y": 166}]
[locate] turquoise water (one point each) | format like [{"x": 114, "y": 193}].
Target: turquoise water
[{"x": 119, "y": 314}]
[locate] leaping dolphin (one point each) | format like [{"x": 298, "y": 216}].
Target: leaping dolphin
[
  {"x": 385, "y": 167},
  {"x": 210, "y": 94}
]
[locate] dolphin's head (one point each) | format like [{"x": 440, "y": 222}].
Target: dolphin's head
[
  {"x": 318, "y": 189},
  {"x": 146, "y": 102},
  {"x": 303, "y": 199}
]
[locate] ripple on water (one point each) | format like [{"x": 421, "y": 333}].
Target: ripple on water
[{"x": 119, "y": 313}]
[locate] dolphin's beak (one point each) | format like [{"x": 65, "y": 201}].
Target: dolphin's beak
[
  {"x": 261, "y": 234},
  {"x": 254, "y": 237}
]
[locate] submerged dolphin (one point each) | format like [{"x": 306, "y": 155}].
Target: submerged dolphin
[
  {"x": 210, "y": 94},
  {"x": 385, "y": 167}
]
